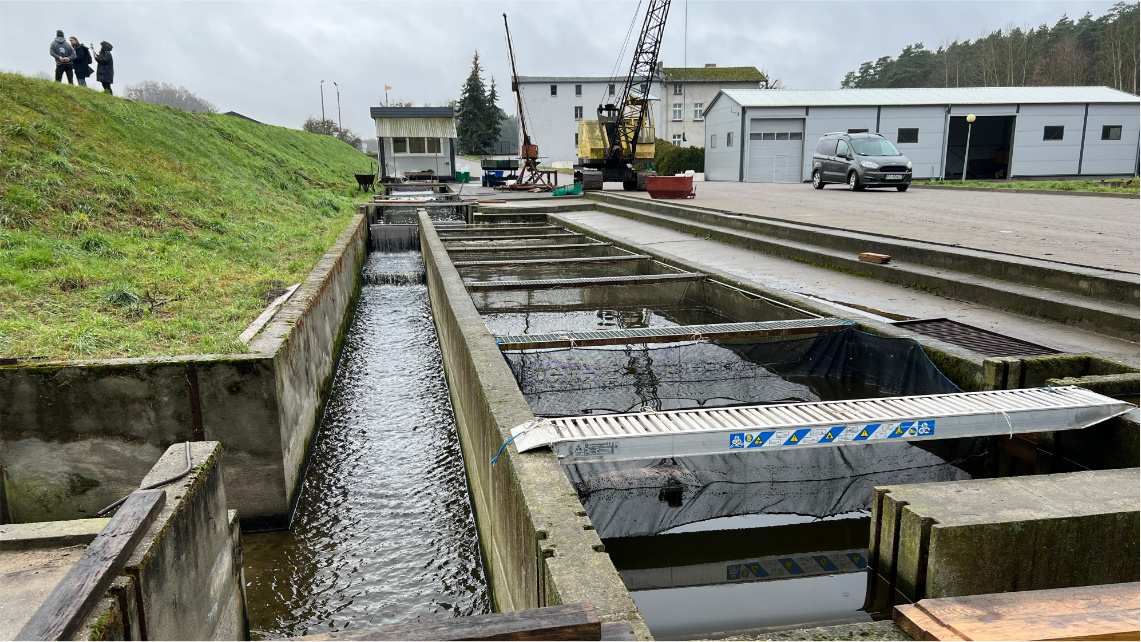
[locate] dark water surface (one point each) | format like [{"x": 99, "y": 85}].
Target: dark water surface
[{"x": 383, "y": 532}]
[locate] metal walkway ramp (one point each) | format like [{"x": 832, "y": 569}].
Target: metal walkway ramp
[
  {"x": 748, "y": 429},
  {"x": 576, "y": 259},
  {"x": 550, "y": 284},
  {"x": 671, "y": 334}
]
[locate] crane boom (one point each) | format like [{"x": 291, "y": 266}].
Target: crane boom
[
  {"x": 515, "y": 86},
  {"x": 640, "y": 79}
]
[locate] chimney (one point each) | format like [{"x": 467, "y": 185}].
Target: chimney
[
  {"x": 661, "y": 67},
  {"x": 710, "y": 65}
]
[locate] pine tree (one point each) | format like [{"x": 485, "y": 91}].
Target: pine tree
[
  {"x": 472, "y": 112},
  {"x": 495, "y": 117}
]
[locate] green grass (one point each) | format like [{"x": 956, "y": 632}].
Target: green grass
[
  {"x": 1111, "y": 185},
  {"x": 130, "y": 229}
]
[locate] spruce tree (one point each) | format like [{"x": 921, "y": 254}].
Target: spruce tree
[
  {"x": 495, "y": 116},
  {"x": 472, "y": 112}
]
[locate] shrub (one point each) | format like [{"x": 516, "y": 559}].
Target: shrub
[{"x": 669, "y": 159}]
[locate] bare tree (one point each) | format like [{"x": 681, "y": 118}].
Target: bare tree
[
  {"x": 163, "y": 93},
  {"x": 329, "y": 127}
]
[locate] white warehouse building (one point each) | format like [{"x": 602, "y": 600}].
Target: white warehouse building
[{"x": 767, "y": 136}]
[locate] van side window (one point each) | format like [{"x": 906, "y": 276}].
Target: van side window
[
  {"x": 841, "y": 148},
  {"x": 826, "y": 147}
]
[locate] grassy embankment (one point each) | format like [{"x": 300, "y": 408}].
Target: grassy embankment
[
  {"x": 1116, "y": 186},
  {"x": 130, "y": 229}
]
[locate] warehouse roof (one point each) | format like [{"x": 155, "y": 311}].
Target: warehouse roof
[{"x": 923, "y": 96}]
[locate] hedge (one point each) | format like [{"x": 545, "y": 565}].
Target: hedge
[{"x": 669, "y": 159}]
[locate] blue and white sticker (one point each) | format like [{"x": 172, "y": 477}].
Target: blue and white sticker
[{"x": 831, "y": 435}]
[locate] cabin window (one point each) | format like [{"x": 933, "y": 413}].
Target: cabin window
[
  {"x": 415, "y": 145},
  {"x": 400, "y": 145},
  {"x": 1111, "y": 132},
  {"x": 432, "y": 145},
  {"x": 1053, "y": 132},
  {"x": 908, "y": 135}
]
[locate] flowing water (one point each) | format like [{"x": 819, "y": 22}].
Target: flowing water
[{"x": 383, "y": 532}]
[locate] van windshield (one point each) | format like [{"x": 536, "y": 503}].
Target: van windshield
[{"x": 874, "y": 147}]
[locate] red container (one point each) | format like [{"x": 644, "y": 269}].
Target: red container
[{"x": 670, "y": 186}]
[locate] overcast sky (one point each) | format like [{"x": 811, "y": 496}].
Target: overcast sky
[{"x": 266, "y": 59}]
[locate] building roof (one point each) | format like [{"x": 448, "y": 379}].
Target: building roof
[
  {"x": 712, "y": 74},
  {"x": 557, "y": 79},
  {"x": 923, "y": 96},
  {"x": 237, "y": 115},
  {"x": 412, "y": 112}
]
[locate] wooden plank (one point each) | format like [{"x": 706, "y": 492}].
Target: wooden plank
[
  {"x": 1105, "y": 612},
  {"x": 872, "y": 257},
  {"x": 618, "y": 631},
  {"x": 563, "y": 622},
  {"x": 72, "y": 600}
]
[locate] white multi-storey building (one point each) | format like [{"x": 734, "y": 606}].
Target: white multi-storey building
[{"x": 554, "y": 105}]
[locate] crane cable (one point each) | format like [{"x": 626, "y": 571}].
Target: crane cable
[{"x": 622, "y": 53}]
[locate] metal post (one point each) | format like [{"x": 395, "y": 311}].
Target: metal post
[
  {"x": 323, "y": 105},
  {"x": 967, "y": 151},
  {"x": 339, "y": 125}
]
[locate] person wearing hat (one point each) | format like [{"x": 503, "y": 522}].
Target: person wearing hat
[
  {"x": 81, "y": 61},
  {"x": 61, "y": 50},
  {"x": 106, "y": 72}
]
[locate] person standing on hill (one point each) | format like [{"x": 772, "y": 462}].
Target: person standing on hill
[
  {"x": 81, "y": 61},
  {"x": 106, "y": 72},
  {"x": 61, "y": 50}
]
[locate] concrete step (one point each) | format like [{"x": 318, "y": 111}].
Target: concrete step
[
  {"x": 1099, "y": 315},
  {"x": 1098, "y": 283}
]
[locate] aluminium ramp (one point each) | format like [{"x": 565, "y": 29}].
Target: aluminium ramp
[{"x": 749, "y": 429}]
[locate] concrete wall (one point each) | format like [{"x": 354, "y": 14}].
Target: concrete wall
[
  {"x": 538, "y": 543},
  {"x": 78, "y": 435},
  {"x": 183, "y": 582}
]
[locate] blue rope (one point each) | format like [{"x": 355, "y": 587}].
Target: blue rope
[{"x": 496, "y": 458}]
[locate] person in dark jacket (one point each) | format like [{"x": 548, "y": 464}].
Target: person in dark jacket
[
  {"x": 81, "y": 61},
  {"x": 61, "y": 50},
  {"x": 106, "y": 73}
]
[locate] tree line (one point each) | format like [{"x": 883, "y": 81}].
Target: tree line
[{"x": 1089, "y": 51}]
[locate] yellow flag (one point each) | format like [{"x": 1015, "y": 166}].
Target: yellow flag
[{"x": 386, "y": 87}]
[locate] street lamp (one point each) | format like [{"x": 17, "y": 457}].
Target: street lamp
[
  {"x": 967, "y": 152},
  {"x": 322, "y": 104},
  {"x": 338, "y": 104}
]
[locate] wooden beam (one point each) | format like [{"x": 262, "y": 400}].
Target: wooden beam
[
  {"x": 76, "y": 595},
  {"x": 563, "y": 622},
  {"x": 1104, "y": 612}
]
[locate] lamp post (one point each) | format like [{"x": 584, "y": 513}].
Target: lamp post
[
  {"x": 338, "y": 104},
  {"x": 967, "y": 152},
  {"x": 322, "y": 104}
]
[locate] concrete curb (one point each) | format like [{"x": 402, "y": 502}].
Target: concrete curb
[{"x": 1051, "y": 192}]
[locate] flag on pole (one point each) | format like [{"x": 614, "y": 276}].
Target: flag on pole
[{"x": 386, "y": 87}]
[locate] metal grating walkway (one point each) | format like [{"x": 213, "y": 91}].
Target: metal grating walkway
[
  {"x": 511, "y": 237},
  {"x": 571, "y": 260},
  {"x": 549, "y": 284},
  {"x": 526, "y": 248},
  {"x": 496, "y": 230},
  {"x": 749, "y": 429},
  {"x": 984, "y": 342},
  {"x": 671, "y": 334}
]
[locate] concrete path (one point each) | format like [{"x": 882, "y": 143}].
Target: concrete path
[
  {"x": 823, "y": 285},
  {"x": 1085, "y": 230}
]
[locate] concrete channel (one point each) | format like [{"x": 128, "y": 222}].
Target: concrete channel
[{"x": 377, "y": 409}]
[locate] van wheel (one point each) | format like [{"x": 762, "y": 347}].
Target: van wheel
[
  {"x": 854, "y": 182},
  {"x": 817, "y": 182},
  {"x": 902, "y": 188}
]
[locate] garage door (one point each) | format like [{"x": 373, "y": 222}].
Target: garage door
[{"x": 776, "y": 150}]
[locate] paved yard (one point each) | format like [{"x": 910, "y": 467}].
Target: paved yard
[{"x": 1085, "y": 230}]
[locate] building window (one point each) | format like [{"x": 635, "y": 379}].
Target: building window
[
  {"x": 677, "y": 89},
  {"x": 576, "y": 139},
  {"x": 768, "y": 136},
  {"x": 677, "y": 139},
  {"x": 415, "y": 145},
  {"x": 554, "y": 90},
  {"x": 858, "y": 131},
  {"x": 907, "y": 135},
  {"x": 432, "y": 145},
  {"x": 729, "y": 139},
  {"x": 755, "y": 136},
  {"x": 578, "y": 112},
  {"x": 578, "y": 90},
  {"x": 713, "y": 141},
  {"x": 1053, "y": 132},
  {"x": 782, "y": 135},
  {"x": 796, "y": 136},
  {"x": 677, "y": 111},
  {"x": 610, "y": 88},
  {"x": 697, "y": 109},
  {"x": 1111, "y": 132},
  {"x": 399, "y": 145}
]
